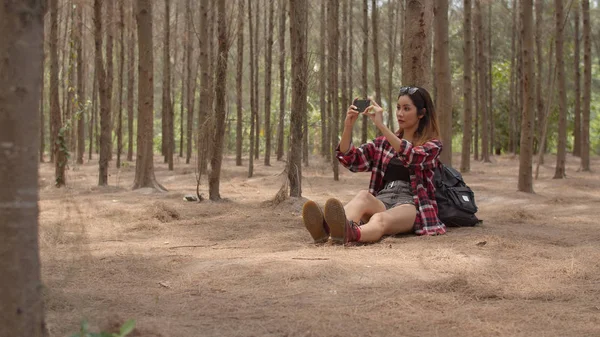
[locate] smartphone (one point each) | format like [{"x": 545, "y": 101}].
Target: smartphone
[{"x": 361, "y": 104}]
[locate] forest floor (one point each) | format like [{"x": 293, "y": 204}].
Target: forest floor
[{"x": 243, "y": 267}]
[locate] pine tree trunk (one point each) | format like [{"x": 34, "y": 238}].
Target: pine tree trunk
[
  {"x": 323, "y": 93},
  {"x": 350, "y": 55},
  {"x": 58, "y": 141},
  {"x": 539, "y": 12},
  {"x": 110, "y": 14},
  {"x": 144, "y": 165},
  {"x": 268, "y": 64},
  {"x": 190, "y": 93},
  {"x": 130, "y": 84},
  {"x": 344, "y": 74},
  {"x": 206, "y": 111},
  {"x": 587, "y": 86},
  {"x": 364, "y": 72},
  {"x": 120, "y": 87},
  {"x": 333, "y": 29},
  {"x": 253, "y": 107},
  {"x": 104, "y": 98},
  {"x": 394, "y": 14},
  {"x": 282, "y": 93},
  {"x": 482, "y": 82},
  {"x": 490, "y": 86},
  {"x": 561, "y": 148},
  {"x": 513, "y": 80},
  {"x": 443, "y": 79},
  {"x": 167, "y": 106},
  {"x": 70, "y": 83},
  {"x": 298, "y": 40},
  {"x": 377, "y": 79},
  {"x": 525, "y": 183},
  {"x": 416, "y": 54},
  {"x": 80, "y": 86},
  {"x": 93, "y": 115},
  {"x": 220, "y": 97},
  {"x": 577, "y": 71},
  {"x": 43, "y": 80},
  {"x": 465, "y": 162},
  {"x": 21, "y": 44},
  {"x": 238, "y": 85},
  {"x": 256, "y": 80}
]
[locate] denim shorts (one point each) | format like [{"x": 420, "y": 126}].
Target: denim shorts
[{"x": 396, "y": 193}]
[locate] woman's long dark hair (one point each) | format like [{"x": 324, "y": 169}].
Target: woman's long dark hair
[{"x": 428, "y": 125}]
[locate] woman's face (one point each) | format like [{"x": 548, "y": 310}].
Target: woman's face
[{"x": 406, "y": 113}]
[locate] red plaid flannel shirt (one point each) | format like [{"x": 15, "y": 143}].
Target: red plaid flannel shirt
[{"x": 421, "y": 161}]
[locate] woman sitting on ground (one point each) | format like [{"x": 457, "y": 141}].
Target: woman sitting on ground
[{"x": 401, "y": 195}]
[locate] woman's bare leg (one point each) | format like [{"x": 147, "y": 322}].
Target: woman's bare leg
[
  {"x": 399, "y": 219},
  {"x": 363, "y": 205}
]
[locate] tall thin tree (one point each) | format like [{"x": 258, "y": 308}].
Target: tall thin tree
[
  {"x": 130, "y": 83},
  {"x": 121, "y": 80},
  {"x": 482, "y": 81},
  {"x": 21, "y": 303},
  {"x": 333, "y": 29},
  {"x": 587, "y": 86},
  {"x": 104, "y": 97},
  {"x": 365, "y": 69},
  {"x": 282, "y": 91},
  {"x": 577, "y": 80},
  {"x": 465, "y": 162},
  {"x": 144, "y": 165},
  {"x": 268, "y": 67},
  {"x": 416, "y": 49},
  {"x": 60, "y": 159},
  {"x": 443, "y": 78},
  {"x": 167, "y": 112},
  {"x": 525, "y": 183},
  {"x": 253, "y": 103},
  {"x": 561, "y": 148},
  {"x": 539, "y": 19},
  {"x": 80, "y": 85},
  {"x": 239, "y": 76},
  {"x": 298, "y": 41},
  {"x": 323, "y": 104}
]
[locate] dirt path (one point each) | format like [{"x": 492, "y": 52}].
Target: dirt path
[{"x": 243, "y": 268}]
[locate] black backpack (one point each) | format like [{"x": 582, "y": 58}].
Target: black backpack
[{"x": 455, "y": 200}]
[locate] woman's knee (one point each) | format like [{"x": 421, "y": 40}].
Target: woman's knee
[{"x": 363, "y": 196}]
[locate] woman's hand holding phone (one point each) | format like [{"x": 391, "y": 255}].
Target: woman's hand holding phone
[
  {"x": 351, "y": 116},
  {"x": 375, "y": 113}
]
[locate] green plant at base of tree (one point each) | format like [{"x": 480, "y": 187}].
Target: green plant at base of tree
[{"x": 125, "y": 330}]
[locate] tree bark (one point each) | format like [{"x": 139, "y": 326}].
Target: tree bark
[
  {"x": 525, "y": 183},
  {"x": 561, "y": 148},
  {"x": 104, "y": 98},
  {"x": 268, "y": 65},
  {"x": 239, "y": 137},
  {"x": 364, "y": 72},
  {"x": 333, "y": 29},
  {"x": 513, "y": 80},
  {"x": 344, "y": 73},
  {"x": 443, "y": 79},
  {"x": 416, "y": 53},
  {"x": 21, "y": 47},
  {"x": 81, "y": 106},
  {"x": 539, "y": 12},
  {"x": 167, "y": 111},
  {"x": 482, "y": 82},
  {"x": 144, "y": 165},
  {"x": 58, "y": 141},
  {"x": 377, "y": 79},
  {"x": 190, "y": 93},
  {"x": 205, "y": 112},
  {"x": 220, "y": 96},
  {"x": 298, "y": 40},
  {"x": 130, "y": 84},
  {"x": 394, "y": 14},
  {"x": 253, "y": 107},
  {"x": 43, "y": 80},
  {"x": 282, "y": 93},
  {"x": 577, "y": 71},
  {"x": 110, "y": 14},
  {"x": 587, "y": 86},
  {"x": 323, "y": 93},
  {"x": 120, "y": 87},
  {"x": 465, "y": 162},
  {"x": 256, "y": 80}
]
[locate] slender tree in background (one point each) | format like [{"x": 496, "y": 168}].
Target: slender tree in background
[
  {"x": 525, "y": 183},
  {"x": 121, "y": 80},
  {"x": 144, "y": 165},
  {"x": 394, "y": 14},
  {"x": 333, "y": 29},
  {"x": 443, "y": 78},
  {"x": 92, "y": 129},
  {"x": 375, "y": 24},
  {"x": 106, "y": 131},
  {"x": 130, "y": 83},
  {"x": 80, "y": 84},
  {"x": 350, "y": 53},
  {"x": 561, "y": 148},
  {"x": 104, "y": 97},
  {"x": 41, "y": 113},
  {"x": 253, "y": 103},
  {"x": 21, "y": 47},
  {"x": 57, "y": 140},
  {"x": 477, "y": 101},
  {"x": 268, "y": 66},
  {"x": 191, "y": 77},
  {"x": 512, "y": 148},
  {"x": 238, "y": 85},
  {"x": 282, "y": 93},
  {"x": 482, "y": 81},
  {"x": 577, "y": 73},
  {"x": 168, "y": 137},
  {"x": 365, "y": 69},
  {"x": 323, "y": 104},
  {"x": 416, "y": 49},
  {"x": 256, "y": 80},
  {"x": 220, "y": 104},
  {"x": 205, "y": 111},
  {"x": 587, "y": 86},
  {"x": 344, "y": 74},
  {"x": 298, "y": 42},
  {"x": 465, "y": 162},
  {"x": 539, "y": 19}
]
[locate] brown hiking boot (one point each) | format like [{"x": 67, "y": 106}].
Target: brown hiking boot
[
  {"x": 312, "y": 216},
  {"x": 342, "y": 230}
]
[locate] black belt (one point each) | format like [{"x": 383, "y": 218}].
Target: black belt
[{"x": 394, "y": 183}]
